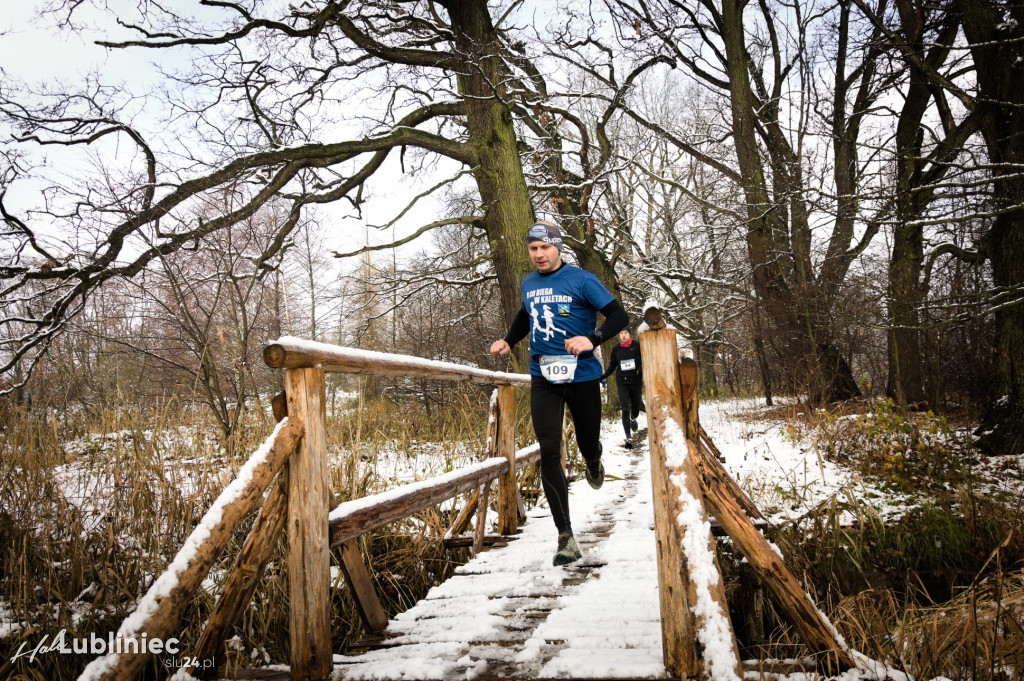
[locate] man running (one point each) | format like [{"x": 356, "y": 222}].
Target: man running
[
  {"x": 630, "y": 381},
  {"x": 559, "y": 312}
]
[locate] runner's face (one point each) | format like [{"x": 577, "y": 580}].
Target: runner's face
[
  {"x": 623, "y": 336},
  {"x": 545, "y": 256}
]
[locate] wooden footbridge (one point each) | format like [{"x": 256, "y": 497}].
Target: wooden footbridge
[{"x": 646, "y": 601}]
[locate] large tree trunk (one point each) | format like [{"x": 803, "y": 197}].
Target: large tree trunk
[
  {"x": 995, "y": 31},
  {"x": 905, "y": 295},
  {"x": 508, "y": 212},
  {"x": 1002, "y": 428},
  {"x": 906, "y": 292},
  {"x": 778, "y": 238},
  {"x": 906, "y": 372}
]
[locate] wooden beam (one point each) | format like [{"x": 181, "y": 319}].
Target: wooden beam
[
  {"x": 490, "y": 446},
  {"x": 159, "y": 610},
  {"x": 245, "y": 575},
  {"x": 677, "y": 492},
  {"x": 361, "y": 585},
  {"x": 705, "y": 461},
  {"x": 464, "y": 542},
  {"x": 279, "y": 405},
  {"x": 653, "y": 318},
  {"x": 293, "y": 353},
  {"x": 464, "y": 516},
  {"x": 706, "y": 439},
  {"x": 356, "y": 516},
  {"x": 352, "y": 518},
  {"x": 508, "y": 486},
  {"x": 481, "y": 520},
  {"x": 695, "y": 433},
  {"x": 814, "y": 629},
  {"x": 491, "y": 435},
  {"x": 309, "y": 560},
  {"x": 688, "y": 384}
]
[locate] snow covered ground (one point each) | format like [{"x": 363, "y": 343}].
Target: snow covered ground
[
  {"x": 786, "y": 480},
  {"x": 510, "y": 613}
]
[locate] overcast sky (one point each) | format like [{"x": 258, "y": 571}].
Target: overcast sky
[{"x": 36, "y": 51}]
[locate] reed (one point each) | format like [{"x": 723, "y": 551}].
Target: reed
[{"x": 91, "y": 512}]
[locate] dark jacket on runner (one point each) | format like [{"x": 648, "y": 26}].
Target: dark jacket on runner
[{"x": 626, "y": 357}]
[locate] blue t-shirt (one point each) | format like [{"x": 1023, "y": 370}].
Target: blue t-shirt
[{"x": 562, "y": 305}]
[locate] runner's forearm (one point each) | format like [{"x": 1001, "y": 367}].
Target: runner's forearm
[
  {"x": 520, "y": 327},
  {"x": 615, "y": 320}
]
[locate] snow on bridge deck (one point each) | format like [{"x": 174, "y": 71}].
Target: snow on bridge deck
[{"x": 509, "y": 613}]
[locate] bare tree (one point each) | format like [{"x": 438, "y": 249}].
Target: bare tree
[
  {"x": 207, "y": 317},
  {"x": 262, "y": 91},
  {"x": 759, "y": 59},
  {"x": 994, "y": 31}
]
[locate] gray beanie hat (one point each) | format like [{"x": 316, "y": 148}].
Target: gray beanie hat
[{"x": 546, "y": 232}]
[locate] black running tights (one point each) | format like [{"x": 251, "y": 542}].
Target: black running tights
[
  {"x": 547, "y": 404},
  {"x": 629, "y": 400}
]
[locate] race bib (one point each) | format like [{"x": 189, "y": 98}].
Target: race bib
[
  {"x": 627, "y": 364},
  {"x": 558, "y": 368}
]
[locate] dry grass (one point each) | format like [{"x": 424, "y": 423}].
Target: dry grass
[
  {"x": 975, "y": 636},
  {"x": 938, "y": 593},
  {"x": 88, "y": 519},
  {"x": 87, "y": 523}
]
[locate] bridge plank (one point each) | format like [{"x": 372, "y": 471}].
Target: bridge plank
[{"x": 510, "y": 614}]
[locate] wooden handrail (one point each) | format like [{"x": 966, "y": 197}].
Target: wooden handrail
[
  {"x": 158, "y": 612},
  {"x": 292, "y": 353},
  {"x": 352, "y": 518}
]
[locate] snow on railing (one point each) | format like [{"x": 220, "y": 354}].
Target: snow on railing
[
  {"x": 686, "y": 479},
  {"x": 290, "y": 353},
  {"x": 158, "y": 611}
]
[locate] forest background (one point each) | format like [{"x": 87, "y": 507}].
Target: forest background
[{"x": 825, "y": 197}]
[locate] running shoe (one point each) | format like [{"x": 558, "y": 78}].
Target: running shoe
[
  {"x": 568, "y": 551},
  {"x": 595, "y": 474}
]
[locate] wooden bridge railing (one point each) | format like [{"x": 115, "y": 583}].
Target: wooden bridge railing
[
  {"x": 687, "y": 477},
  {"x": 299, "y": 503}
]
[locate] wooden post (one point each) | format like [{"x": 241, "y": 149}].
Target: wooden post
[
  {"x": 508, "y": 487},
  {"x": 481, "y": 519},
  {"x": 361, "y": 585},
  {"x": 241, "y": 583},
  {"x": 706, "y": 461},
  {"x": 490, "y": 447},
  {"x": 462, "y": 520},
  {"x": 706, "y": 439},
  {"x": 707, "y": 458},
  {"x": 309, "y": 560},
  {"x": 673, "y": 481}
]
